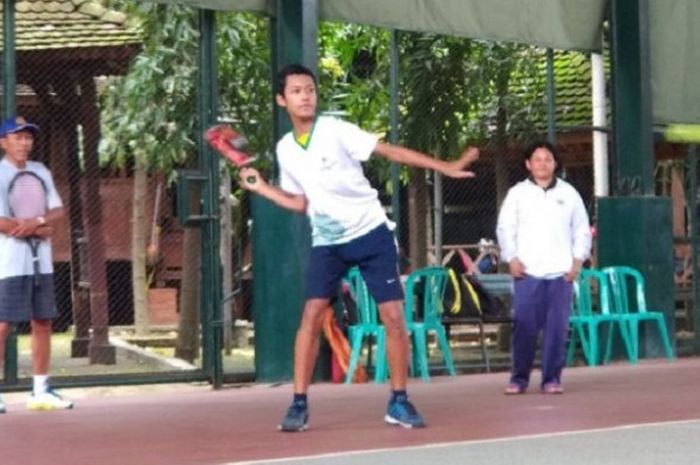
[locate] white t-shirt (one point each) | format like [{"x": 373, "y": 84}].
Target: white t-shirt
[
  {"x": 328, "y": 171},
  {"x": 15, "y": 254},
  {"x": 544, "y": 228}
]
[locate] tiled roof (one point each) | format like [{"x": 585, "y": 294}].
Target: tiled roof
[
  {"x": 61, "y": 24},
  {"x": 572, "y": 82}
]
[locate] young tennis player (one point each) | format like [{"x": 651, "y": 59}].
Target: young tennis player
[
  {"x": 321, "y": 175},
  {"x": 25, "y": 296}
]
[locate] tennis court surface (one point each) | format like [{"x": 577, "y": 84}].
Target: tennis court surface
[{"x": 622, "y": 414}]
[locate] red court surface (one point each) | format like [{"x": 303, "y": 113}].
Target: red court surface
[{"x": 205, "y": 427}]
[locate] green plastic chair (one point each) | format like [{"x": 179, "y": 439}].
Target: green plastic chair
[
  {"x": 630, "y": 303},
  {"x": 367, "y": 328},
  {"x": 433, "y": 280},
  {"x": 588, "y": 317}
]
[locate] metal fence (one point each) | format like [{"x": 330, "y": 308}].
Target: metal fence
[{"x": 114, "y": 92}]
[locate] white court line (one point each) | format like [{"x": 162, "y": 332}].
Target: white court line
[{"x": 463, "y": 443}]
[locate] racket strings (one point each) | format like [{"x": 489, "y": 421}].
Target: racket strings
[{"x": 27, "y": 196}]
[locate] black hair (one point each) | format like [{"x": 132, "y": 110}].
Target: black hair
[
  {"x": 289, "y": 70},
  {"x": 542, "y": 144}
]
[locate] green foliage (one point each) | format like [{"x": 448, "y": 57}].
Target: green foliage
[
  {"x": 353, "y": 69},
  {"x": 517, "y": 101},
  {"x": 245, "y": 80},
  {"x": 453, "y": 90},
  {"x": 149, "y": 115},
  {"x": 435, "y": 93},
  {"x": 458, "y": 91},
  {"x": 354, "y": 74}
]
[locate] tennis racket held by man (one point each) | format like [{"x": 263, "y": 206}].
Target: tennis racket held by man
[
  {"x": 231, "y": 145},
  {"x": 28, "y": 203}
]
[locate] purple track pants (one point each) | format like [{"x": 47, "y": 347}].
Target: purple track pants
[{"x": 540, "y": 305}]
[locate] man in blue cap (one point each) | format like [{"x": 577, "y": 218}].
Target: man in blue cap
[{"x": 24, "y": 296}]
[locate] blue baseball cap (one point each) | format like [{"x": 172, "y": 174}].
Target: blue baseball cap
[{"x": 17, "y": 124}]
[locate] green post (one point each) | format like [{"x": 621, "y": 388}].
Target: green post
[
  {"x": 281, "y": 239},
  {"x": 632, "y": 128},
  {"x": 210, "y": 295},
  {"x": 551, "y": 99},
  {"x": 280, "y": 250},
  {"x": 638, "y": 232},
  {"x": 635, "y": 227},
  {"x": 691, "y": 197},
  {"x": 9, "y": 75},
  {"x": 9, "y": 59},
  {"x": 394, "y": 133}
]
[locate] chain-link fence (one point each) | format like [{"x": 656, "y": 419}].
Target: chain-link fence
[
  {"x": 677, "y": 178},
  {"x": 125, "y": 271},
  {"x": 113, "y": 87}
]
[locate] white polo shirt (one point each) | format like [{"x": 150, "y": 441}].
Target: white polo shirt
[
  {"x": 544, "y": 228},
  {"x": 328, "y": 171},
  {"x": 15, "y": 254}
]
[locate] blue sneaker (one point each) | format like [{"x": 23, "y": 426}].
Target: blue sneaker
[
  {"x": 296, "y": 419},
  {"x": 401, "y": 412}
]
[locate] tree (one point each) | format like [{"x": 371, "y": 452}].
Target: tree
[
  {"x": 512, "y": 103},
  {"x": 245, "y": 89},
  {"x": 164, "y": 138},
  {"x": 434, "y": 95},
  {"x": 161, "y": 140}
]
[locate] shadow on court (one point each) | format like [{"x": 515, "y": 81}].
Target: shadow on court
[{"x": 469, "y": 412}]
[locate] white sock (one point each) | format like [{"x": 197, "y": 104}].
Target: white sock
[{"x": 40, "y": 384}]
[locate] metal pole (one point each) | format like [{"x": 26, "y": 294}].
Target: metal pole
[
  {"x": 551, "y": 99},
  {"x": 9, "y": 74},
  {"x": 691, "y": 199},
  {"x": 394, "y": 132},
  {"x": 9, "y": 59},
  {"x": 437, "y": 217},
  {"x": 281, "y": 239},
  {"x": 631, "y": 90},
  {"x": 309, "y": 19},
  {"x": 601, "y": 181},
  {"x": 210, "y": 299}
]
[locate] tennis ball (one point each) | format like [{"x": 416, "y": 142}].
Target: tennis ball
[{"x": 683, "y": 133}]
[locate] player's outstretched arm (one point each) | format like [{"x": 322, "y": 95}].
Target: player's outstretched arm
[
  {"x": 410, "y": 157},
  {"x": 251, "y": 180}
]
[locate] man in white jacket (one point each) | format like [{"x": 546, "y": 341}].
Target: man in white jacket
[{"x": 544, "y": 235}]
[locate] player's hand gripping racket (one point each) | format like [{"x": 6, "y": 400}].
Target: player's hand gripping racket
[
  {"x": 27, "y": 199},
  {"x": 230, "y": 145}
]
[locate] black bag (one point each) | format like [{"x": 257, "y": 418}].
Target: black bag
[
  {"x": 466, "y": 297},
  {"x": 460, "y": 299},
  {"x": 493, "y": 307}
]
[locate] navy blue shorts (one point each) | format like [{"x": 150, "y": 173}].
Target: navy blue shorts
[
  {"x": 21, "y": 300},
  {"x": 376, "y": 256}
]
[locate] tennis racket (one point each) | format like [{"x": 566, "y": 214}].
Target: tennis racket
[
  {"x": 27, "y": 198},
  {"x": 230, "y": 145}
]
